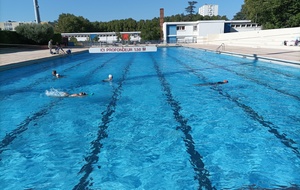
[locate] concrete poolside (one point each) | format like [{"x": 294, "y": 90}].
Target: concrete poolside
[
  {"x": 12, "y": 57},
  {"x": 283, "y": 53}
]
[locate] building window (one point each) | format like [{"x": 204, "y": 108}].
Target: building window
[{"x": 180, "y": 27}]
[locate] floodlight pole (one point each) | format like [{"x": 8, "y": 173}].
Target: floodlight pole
[{"x": 36, "y": 11}]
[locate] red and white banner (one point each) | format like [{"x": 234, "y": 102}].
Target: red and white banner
[{"x": 135, "y": 49}]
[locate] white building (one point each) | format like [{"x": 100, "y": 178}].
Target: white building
[
  {"x": 11, "y": 25},
  {"x": 209, "y": 10},
  {"x": 107, "y": 37},
  {"x": 190, "y": 32}
]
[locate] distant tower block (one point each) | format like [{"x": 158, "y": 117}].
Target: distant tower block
[
  {"x": 36, "y": 11},
  {"x": 161, "y": 22}
]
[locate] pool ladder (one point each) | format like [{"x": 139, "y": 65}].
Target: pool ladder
[{"x": 221, "y": 47}]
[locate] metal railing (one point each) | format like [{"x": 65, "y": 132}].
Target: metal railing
[{"x": 220, "y": 48}]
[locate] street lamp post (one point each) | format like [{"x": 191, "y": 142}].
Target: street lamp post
[{"x": 36, "y": 11}]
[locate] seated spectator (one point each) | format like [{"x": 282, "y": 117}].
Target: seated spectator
[{"x": 58, "y": 47}]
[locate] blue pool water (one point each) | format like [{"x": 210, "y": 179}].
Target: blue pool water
[{"x": 152, "y": 127}]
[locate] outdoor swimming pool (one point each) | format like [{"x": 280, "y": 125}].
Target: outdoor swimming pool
[{"x": 152, "y": 127}]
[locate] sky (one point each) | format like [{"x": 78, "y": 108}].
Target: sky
[{"x": 104, "y": 11}]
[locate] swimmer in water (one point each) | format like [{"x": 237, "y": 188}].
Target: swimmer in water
[
  {"x": 109, "y": 79},
  {"x": 75, "y": 95},
  {"x": 213, "y": 83},
  {"x": 56, "y": 93},
  {"x": 54, "y": 73}
]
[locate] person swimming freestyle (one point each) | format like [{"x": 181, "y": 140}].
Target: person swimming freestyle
[
  {"x": 56, "y": 93},
  {"x": 79, "y": 94}
]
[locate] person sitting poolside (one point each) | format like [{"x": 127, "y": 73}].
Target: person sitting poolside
[
  {"x": 109, "y": 79},
  {"x": 58, "y": 47},
  {"x": 213, "y": 83}
]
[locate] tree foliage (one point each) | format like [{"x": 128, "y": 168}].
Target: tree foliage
[
  {"x": 274, "y": 13},
  {"x": 12, "y": 37},
  {"x": 150, "y": 29},
  {"x": 191, "y": 7},
  {"x": 39, "y": 33},
  {"x": 242, "y": 15},
  {"x": 72, "y": 23}
]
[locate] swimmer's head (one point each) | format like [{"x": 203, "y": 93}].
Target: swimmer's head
[
  {"x": 225, "y": 81},
  {"x": 82, "y": 94},
  {"x": 57, "y": 75},
  {"x": 110, "y": 76},
  {"x": 54, "y": 72}
]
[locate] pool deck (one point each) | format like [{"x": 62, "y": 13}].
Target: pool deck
[
  {"x": 11, "y": 57},
  {"x": 285, "y": 54}
]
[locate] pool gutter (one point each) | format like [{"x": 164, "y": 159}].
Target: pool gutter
[{"x": 256, "y": 57}]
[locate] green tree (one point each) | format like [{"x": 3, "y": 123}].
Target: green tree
[
  {"x": 151, "y": 30},
  {"x": 119, "y": 36},
  {"x": 72, "y": 23},
  {"x": 96, "y": 38},
  {"x": 190, "y": 8},
  {"x": 242, "y": 15},
  {"x": 39, "y": 33},
  {"x": 74, "y": 40},
  {"x": 274, "y": 13}
]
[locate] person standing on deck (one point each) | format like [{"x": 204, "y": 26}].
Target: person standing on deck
[{"x": 50, "y": 46}]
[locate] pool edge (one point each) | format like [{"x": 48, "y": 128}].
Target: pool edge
[{"x": 251, "y": 56}]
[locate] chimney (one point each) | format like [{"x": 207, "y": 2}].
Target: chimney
[{"x": 161, "y": 22}]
